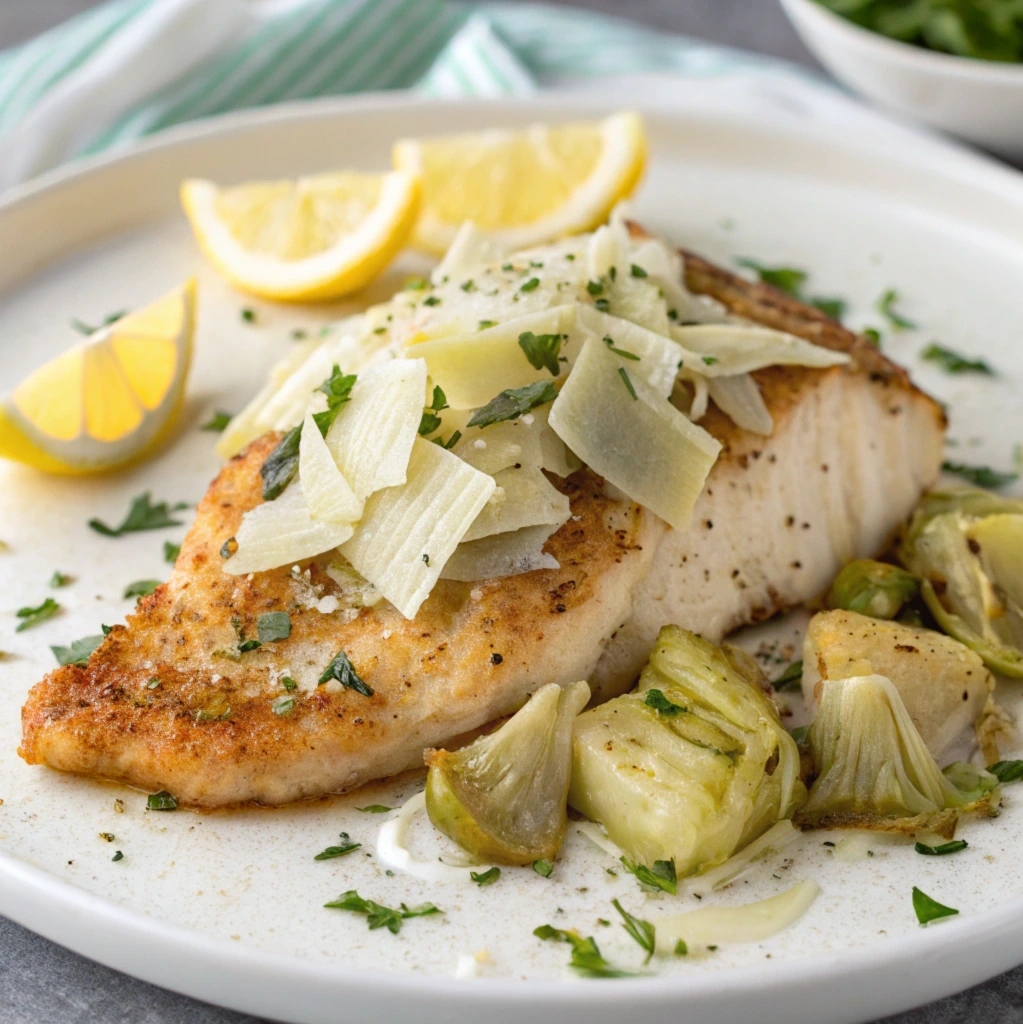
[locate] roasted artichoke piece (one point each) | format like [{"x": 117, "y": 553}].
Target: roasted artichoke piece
[
  {"x": 503, "y": 797},
  {"x": 945, "y": 687},
  {"x": 966, "y": 547},
  {"x": 693, "y": 765},
  {"x": 873, "y": 588},
  {"x": 875, "y": 772}
]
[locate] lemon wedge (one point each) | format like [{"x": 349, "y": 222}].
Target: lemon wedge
[
  {"x": 524, "y": 187},
  {"x": 108, "y": 401},
  {"x": 309, "y": 238}
]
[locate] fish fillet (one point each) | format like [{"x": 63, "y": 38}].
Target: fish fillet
[{"x": 852, "y": 450}]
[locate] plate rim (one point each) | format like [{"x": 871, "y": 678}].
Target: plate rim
[{"x": 44, "y": 902}]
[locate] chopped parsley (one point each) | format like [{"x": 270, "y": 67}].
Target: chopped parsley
[
  {"x": 530, "y": 286},
  {"x": 982, "y": 476},
  {"x": 484, "y": 324},
  {"x": 595, "y": 287},
  {"x": 660, "y": 876},
  {"x": 786, "y": 279},
  {"x": 153, "y": 683},
  {"x": 543, "y": 867},
  {"x": 171, "y": 552},
  {"x": 117, "y": 856},
  {"x": 940, "y": 851},
  {"x": 927, "y": 909},
  {"x": 542, "y": 350},
  {"x": 829, "y": 306},
  {"x": 140, "y": 588},
  {"x": 790, "y": 679},
  {"x": 637, "y": 271},
  {"x": 468, "y": 285},
  {"x": 341, "y": 669},
  {"x": 273, "y": 626},
  {"x": 248, "y": 315},
  {"x": 873, "y": 335},
  {"x": 142, "y": 515},
  {"x": 513, "y": 403},
  {"x": 283, "y": 705},
  {"x": 430, "y": 421},
  {"x": 624, "y": 374},
  {"x": 886, "y": 306},
  {"x": 610, "y": 342},
  {"x": 709, "y": 360},
  {"x": 431, "y": 300},
  {"x": 426, "y": 559},
  {"x": 79, "y": 651},
  {"x": 681, "y": 949},
  {"x": 655, "y": 699},
  {"x": 33, "y": 616},
  {"x": 280, "y": 466},
  {"x": 603, "y": 305},
  {"x": 375, "y": 809},
  {"x": 338, "y": 389},
  {"x": 346, "y": 846},
  {"x": 955, "y": 362},
  {"x": 1007, "y": 771},
  {"x": 642, "y": 931},
  {"x": 450, "y": 443},
  {"x": 110, "y": 318},
  {"x": 799, "y": 734},
  {"x": 59, "y": 579},
  {"x": 488, "y": 877},
  {"x": 378, "y": 915},
  {"x": 288, "y": 683},
  {"x": 217, "y": 422},
  {"x": 161, "y": 801},
  {"x": 586, "y": 955}
]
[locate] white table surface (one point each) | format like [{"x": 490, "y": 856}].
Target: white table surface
[{"x": 42, "y": 983}]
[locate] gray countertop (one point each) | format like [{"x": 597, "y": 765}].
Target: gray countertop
[{"x": 42, "y": 983}]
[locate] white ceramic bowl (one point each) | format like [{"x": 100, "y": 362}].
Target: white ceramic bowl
[{"x": 980, "y": 101}]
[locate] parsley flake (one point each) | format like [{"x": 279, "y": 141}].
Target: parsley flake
[
  {"x": 543, "y": 867},
  {"x": 171, "y": 552},
  {"x": 955, "y": 362},
  {"x": 488, "y": 877},
  {"x": 928, "y": 909},
  {"x": 33, "y": 616},
  {"x": 513, "y": 403},
  {"x": 140, "y": 588},
  {"x": 248, "y": 315},
  {"x": 217, "y": 422},
  {"x": 379, "y": 916},
  {"x": 940, "y": 851},
  {"x": 341, "y": 669},
  {"x": 531, "y": 285},
  {"x": 59, "y": 579},
  {"x": 117, "y": 856},
  {"x": 669, "y": 709},
  {"x": 542, "y": 350},
  {"x": 110, "y": 318},
  {"x": 142, "y": 515},
  {"x": 886, "y": 306},
  {"x": 288, "y": 683},
  {"x": 586, "y": 955},
  {"x": 790, "y": 679},
  {"x": 982, "y": 476},
  {"x": 272, "y": 626},
  {"x": 375, "y": 809},
  {"x": 786, "y": 279},
  {"x": 283, "y": 705},
  {"x": 642, "y": 931},
  {"x": 624, "y": 374},
  {"x": 660, "y": 876},
  {"x": 637, "y": 271},
  {"x": 610, "y": 342},
  {"x": 1007, "y": 771},
  {"x": 161, "y": 801},
  {"x": 346, "y": 846},
  {"x": 79, "y": 650}
]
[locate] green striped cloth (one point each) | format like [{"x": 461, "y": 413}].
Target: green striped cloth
[{"x": 131, "y": 67}]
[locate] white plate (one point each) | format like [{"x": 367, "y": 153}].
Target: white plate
[{"x": 228, "y": 906}]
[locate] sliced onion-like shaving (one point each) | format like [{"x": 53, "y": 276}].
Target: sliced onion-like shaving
[
  {"x": 282, "y": 532},
  {"x": 658, "y": 357},
  {"x": 470, "y": 250},
  {"x": 393, "y": 852},
  {"x": 599, "y": 837},
  {"x": 729, "y": 349},
  {"x": 776, "y": 838},
  {"x": 739, "y": 398},
  {"x": 473, "y": 368},
  {"x": 503, "y": 554},
  {"x": 327, "y": 493},
  {"x": 642, "y": 445},
  {"x": 701, "y": 395},
  {"x": 752, "y": 922},
  {"x": 371, "y": 439},
  {"x": 522, "y": 497},
  {"x": 555, "y": 455},
  {"x": 407, "y": 533},
  {"x": 502, "y": 445}
]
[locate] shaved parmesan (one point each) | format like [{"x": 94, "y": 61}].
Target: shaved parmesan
[
  {"x": 658, "y": 358},
  {"x": 642, "y": 445},
  {"x": 555, "y": 455},
  {"x": 506, "y": 444},
  {"x": 407, "y": 533},
  {"x": 752, "y": 922},
  {"x": 470, "y": 250},
  {"x": 372, "y": 437},
  {"x": 282, "y": 532},
  {"x": 740, "y": 400},
  {"x": 523, "y": 497},
  {"x": 503, "y": 554},
  {"x": 729, "y": 349},
  {"x": 472, "y": 368},
  {"x": 327, "y": 493}
]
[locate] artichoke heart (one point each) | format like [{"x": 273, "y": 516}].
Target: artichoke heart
[
  {"x": 967, "y": 546},
  {"x": 874, "y": 770},
  {"x": 692, "y": 766},
  {"x": 503, "y": 797}
]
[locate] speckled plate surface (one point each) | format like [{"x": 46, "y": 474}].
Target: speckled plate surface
[{"x": 229, "y": 906}]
